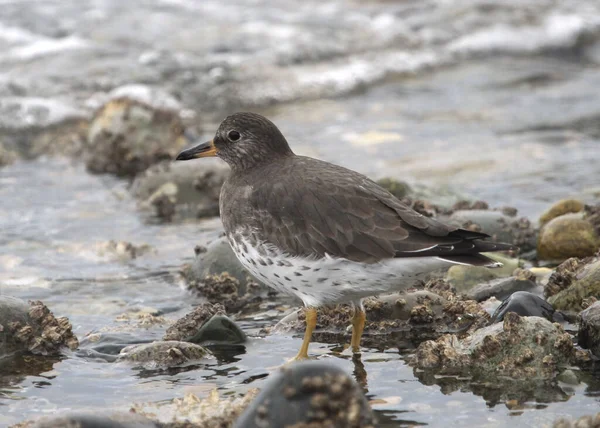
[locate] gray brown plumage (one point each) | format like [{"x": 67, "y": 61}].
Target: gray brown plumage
[{"x": 339, "y": 235}]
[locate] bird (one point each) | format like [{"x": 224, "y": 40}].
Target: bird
[{"x": 322, "y": 232}]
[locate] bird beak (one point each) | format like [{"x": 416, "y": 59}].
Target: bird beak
[{"x": 203, "y": 150}]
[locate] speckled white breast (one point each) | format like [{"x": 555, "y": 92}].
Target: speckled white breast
[{"x": 329, "y": 280}]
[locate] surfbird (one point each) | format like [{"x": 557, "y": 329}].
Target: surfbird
[{"x": 322, "y": 232}]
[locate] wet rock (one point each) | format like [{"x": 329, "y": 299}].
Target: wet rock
[
  {"x": 30, "y": 113},
  {"x": 192, "y": 411},
  {"x": 311, "y": 394},
  {"x": 103, "y": 344},
  {"x": 399, "y": 189},
  {"x": 518, "y": 348},
  {"x": 589, "y": 329},
  {"x": 65, "y": 139},
  {"x": 31, "y": 127},
  {"x": 127, "y": 136},
  {"x": 33, "y": 328},
  {"x": 501, "y": 225},
  {"x": 583, "y": 285},
  {"x": 122, "y": 251},
  {"x": 163, "y": 353},
  {"x": 206, "y": 323},
  {"x": 154, "y": 97},
  {"x": 219, "y": 258},
  {"x": 501, "y": 288},
  {"x": 413, "y": 316},
  {"x": 6, "y": 156},
  {"x": 181, "y": 188},
  {"x": 526, "y": 305},
  {"x": 564, "y": 275},
  {"x": 570, "y": 235},
  {"x": 463, "y": 278},
  {"x": 119, "y": 420},
  {"x": 227, "y": 290},
  {"x": 582, "y": 422},
  {"x": 564, "y": 206}
]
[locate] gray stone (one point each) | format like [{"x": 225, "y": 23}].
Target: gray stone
[
  {"x": 500, "y": 226},
  {"x": 126, "y": 136},
  {"x": 463, "y": 277},
  {"x": 191, "y": 189},
  {"x": 163, "y": 353},
  {"x": 217, "y": 259},
  {"x": 526, "y": 305},
  {"x": 206, "y": 323},
  {"x": 589, "y": 329},
  {"x": 500, "y": 288}
]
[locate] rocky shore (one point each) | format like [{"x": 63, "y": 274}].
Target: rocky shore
[{"x": 521, "y": 327}]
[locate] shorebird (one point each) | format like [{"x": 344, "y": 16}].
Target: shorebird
[{"x": 321, "y": 232}]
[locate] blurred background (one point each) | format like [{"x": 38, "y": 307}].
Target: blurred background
[{"x": 457, "y": 99}]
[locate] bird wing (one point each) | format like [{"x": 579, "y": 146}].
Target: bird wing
[{"x": 313, "y": 208}]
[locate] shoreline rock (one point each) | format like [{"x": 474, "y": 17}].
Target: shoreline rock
[
  {"x": 126, "y": 137},
  {"x": 33, "y": 328}
]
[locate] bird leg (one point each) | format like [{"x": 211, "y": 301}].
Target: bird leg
[
  {"x": 358, "y": 325},
  {"x": 311, "y": 323}
]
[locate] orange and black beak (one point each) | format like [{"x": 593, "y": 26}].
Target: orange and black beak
[{"x": 203, "y": 150}]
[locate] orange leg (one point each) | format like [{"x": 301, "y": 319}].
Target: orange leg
[
  {"x": 311, "y": 323},
  {"x": 358, "y": 325}
]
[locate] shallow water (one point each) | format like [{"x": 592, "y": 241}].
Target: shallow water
[{"x": 495, "y": 102}]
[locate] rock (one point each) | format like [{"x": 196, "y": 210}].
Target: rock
[
  {"x": 582, "y": 422},
  {"x": 312, "y": 394},
  {"x": 122, "y": 251},
  {"x": 219, "y": 258},
  {"x": 564, "y": 206},
  {"x": 414, "y": 316},
  {"x": 526, "y": 305},
  {"x": 399, "y": 189},
  {"x": 30, "y": 113},
  {"x": 127, "y": 136},
  {"x": 499, "y": 225},
  {"x": 31, "y": 127},
  {"x": 564, "y": 275},
  {"x": 570, "y": 235},
  {"x": 118, "y": 420},
  {"x": 501, "y": 288},
  {"x": 589, "y": 329},
  {"x": 106, "y": 345},
  {"x": 224, "y": 289},
  {"x": 184, "y": 187},
  {"x": 206, "y": 323},
  {"x": 583, "y": 289},
  {"x": 463, "y": 277},
  {"x": 6, "y": 156},
  {"x": 163, "y": 353},
  {"x": 518, "y": 348},
  {"x": 65, "y": 139},
  {"x": 219, "y": 329},
  {"x": 33, "y": 328},
  {"x": 192, "y": 411}
]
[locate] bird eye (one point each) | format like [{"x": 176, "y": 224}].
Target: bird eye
[{"x": 233, "y": 135}]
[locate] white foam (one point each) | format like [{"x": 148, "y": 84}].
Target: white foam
[{"x": 556, "y": 31}]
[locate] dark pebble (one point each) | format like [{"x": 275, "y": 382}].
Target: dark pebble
[{"x": 527, "y": 305}]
